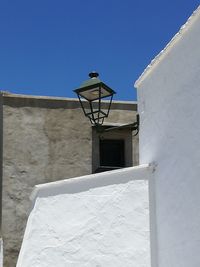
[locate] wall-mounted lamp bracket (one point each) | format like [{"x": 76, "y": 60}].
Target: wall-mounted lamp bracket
[{"x": 132, "y": 126}]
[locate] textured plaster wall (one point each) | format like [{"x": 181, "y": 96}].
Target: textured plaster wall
[
  {"x": 44, "y": 140},
  {"x": 169, "y": 97},
  {"x": 97, "y": 220},
  {"x": 1, "y": 252}
]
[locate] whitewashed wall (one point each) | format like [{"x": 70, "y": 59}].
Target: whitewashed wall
[
  {"x": 96, "y": 220},
  {"x": 169, "y": 106}
]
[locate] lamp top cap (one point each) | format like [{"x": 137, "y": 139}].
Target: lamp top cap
[{"x": 93, "y": 74}]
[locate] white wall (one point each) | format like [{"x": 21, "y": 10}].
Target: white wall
[
  {"x": 169, "y": 107},
  {"x": 96, "y": 220}
]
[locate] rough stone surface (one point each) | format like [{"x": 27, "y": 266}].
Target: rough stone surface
[
  {"x": 1, "y": 252},
  {"x": 44, "y": 140},
  {"x": 102, "y": 220}
]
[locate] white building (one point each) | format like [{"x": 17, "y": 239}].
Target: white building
[
  {"x": 169, "y": 107},
  {"x": 69, "y": 218}
]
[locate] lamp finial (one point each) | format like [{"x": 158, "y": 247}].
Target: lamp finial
[{"x": 93, "y": 74}]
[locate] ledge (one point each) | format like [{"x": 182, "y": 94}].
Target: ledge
[
  {"x": 18, "y": 100},
  {"x": 84, "y": 183}
]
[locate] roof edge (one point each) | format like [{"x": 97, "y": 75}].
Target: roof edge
[
  {"x": 39, "y": 97},
  {"x": 52, "y": 102},
  {"x": 167, "y": 48}
]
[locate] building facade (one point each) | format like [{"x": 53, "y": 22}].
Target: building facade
[
  {"x": 168, "y": 103},
  {"x": 168, "y": 100},
  {"x": 44, "y": 139}
]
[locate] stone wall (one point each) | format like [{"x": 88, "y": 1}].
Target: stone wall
[{"x": 44, "y": 139}]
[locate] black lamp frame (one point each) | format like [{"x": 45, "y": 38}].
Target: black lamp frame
[
  {"x": 101, "y": 115},
  {"x": 95, "y": 106}
]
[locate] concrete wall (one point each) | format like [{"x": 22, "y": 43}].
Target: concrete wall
[
  {"x": 45, "y": 139},
  {"x": 1, "y": 252},
  {"x": 96, "y": 220},
  {"x": 169, "y": 107}
]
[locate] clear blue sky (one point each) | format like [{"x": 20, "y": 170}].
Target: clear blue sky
[{"x": 48, "y": 47}]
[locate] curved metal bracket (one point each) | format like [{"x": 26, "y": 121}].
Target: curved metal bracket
[{"x": 133, "y": 126}]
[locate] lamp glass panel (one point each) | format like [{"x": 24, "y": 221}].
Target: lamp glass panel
[
  {"x": 93, "y": 94},
  {"x": 104, "y": 92}
]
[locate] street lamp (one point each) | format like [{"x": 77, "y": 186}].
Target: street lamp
[{"x": 90, "y": 94}]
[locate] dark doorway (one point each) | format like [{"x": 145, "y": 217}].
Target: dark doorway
[
  {"x": 111, "y": 150},
  {"x": 112, "y": 153}
]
